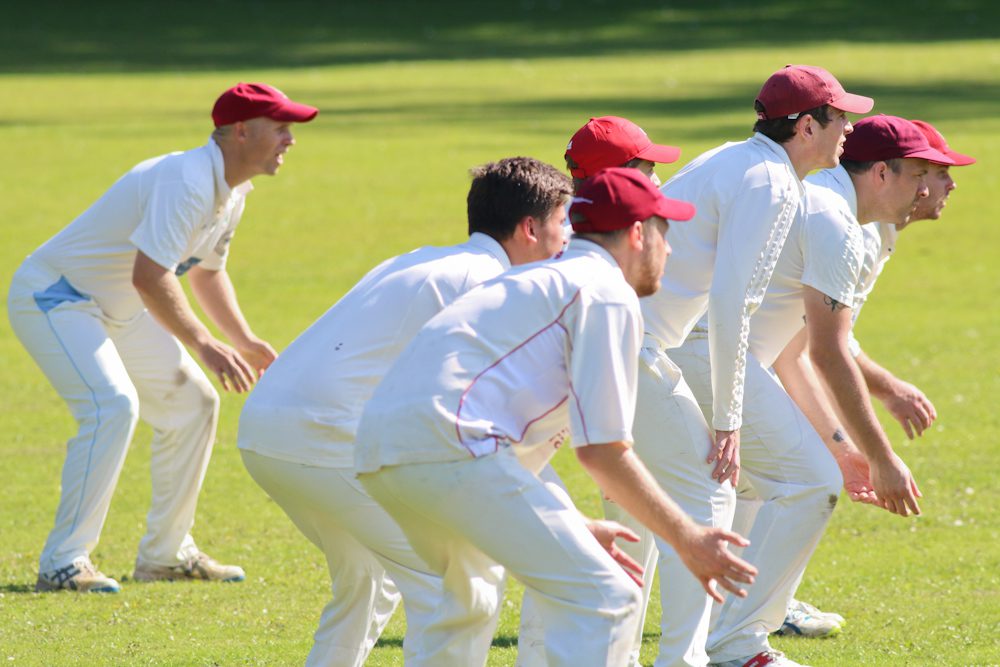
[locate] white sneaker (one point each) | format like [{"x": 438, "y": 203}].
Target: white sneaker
[
  {"x": 813, "y": 611},
  {"x": 768, "y": 658},
  {"x": 80, "y": 576},
  {"x": 804, "y": 620},
  {"x": 199, "y": 566}
]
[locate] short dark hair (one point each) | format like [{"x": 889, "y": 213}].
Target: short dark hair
[
  {"x": 782, "y": 129},
  {"x": 504, "y": 192},
  {"x": 860, "y": 167}
]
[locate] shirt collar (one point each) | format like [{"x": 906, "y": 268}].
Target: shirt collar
[
  {"x": 582, "y": 246},
  {"x": 490, "y": 245},
  {"x": 779, "y": 152},
  {"x": 843, "y": 180},
  {"x": 222, "y": 190}
]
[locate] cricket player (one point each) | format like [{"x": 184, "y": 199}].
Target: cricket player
[
  {"x": 543, "y": 352},
  {"x": 100, "y": 308},
  {"x": 298, "y": 425},
  {"x": 786, "y": 463},
  {"x": 747, "y": 195},
  {"x": 905, "y": 402}
]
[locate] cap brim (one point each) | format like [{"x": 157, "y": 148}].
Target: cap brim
[
  {"x": 674, "y": 209},
  {"x": 932, "y": 155},
  {"x": 960, "y": 159},
  {"x": 293, "y": 112},
  {"x": 659, "y": 153},
  {"x": 852, "y": 103}
]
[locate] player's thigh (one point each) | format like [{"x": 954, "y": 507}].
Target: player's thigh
[
  {"x": 170, "y": 383},
  {"x": 312, "y": 497},
  {"x": 777, "y": 441},
  {"x": 515, "y": 519},
  {"x": 70, "y": 344}
]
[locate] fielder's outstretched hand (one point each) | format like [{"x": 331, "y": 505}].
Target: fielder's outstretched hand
[
  {"x": 258, "y": 353},
  {"x": 895, "y": 486},
  {"x": 857, "y": 477},
  {"x": 914, "y": 411},
  {"x": 605, "y": 532},
  {"x": 704, "y": 552}
]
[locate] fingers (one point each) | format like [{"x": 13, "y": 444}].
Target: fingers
[
  {"x": 735, "y": 589},
  {"x": 709, "y": 586},
  {"x": 629, "y": 564},
  {"x": 734, "y": 538},
  {"x": 905, "y": 423}
]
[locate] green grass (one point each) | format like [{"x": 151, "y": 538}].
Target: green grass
[{"x": 412, "y": 95}]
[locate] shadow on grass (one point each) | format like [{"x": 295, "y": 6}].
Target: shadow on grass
[
  {"x": 498, "y": 642},
  {"x": 17, "y": 588},
  {"x": 116, "y": 36}
]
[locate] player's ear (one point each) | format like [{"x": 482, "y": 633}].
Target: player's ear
[
  {"x": 526, "y": 228},
  {"x": 635, "y": 235}
]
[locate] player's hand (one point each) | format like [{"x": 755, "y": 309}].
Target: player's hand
[
  {"x": 894, "y": 485},
  {"x": 258, "y": 353},
  {"x": 234, "y": 373},
  {"x": 857, "y": 477},
  {"x": 726, "y": 456},
  {"x": 910, "y": 407},
  {"x": 704, "y": 552},
  {"x": 605, "y": 532}
]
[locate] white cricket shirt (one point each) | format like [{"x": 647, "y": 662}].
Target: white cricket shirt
[
  {"x": 306, "y": 407},
  {"x": 176, "y": 208},
  {"x": 824, "y": 250},
  {"x": 546, "y": 350},
  {"x": 746, "y": 195},
  {"x": 880, "y": 242}
]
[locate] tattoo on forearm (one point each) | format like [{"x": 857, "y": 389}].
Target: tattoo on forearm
[
  {"x": 838, "y": 436},
  {"x": 833, "y": 303}
]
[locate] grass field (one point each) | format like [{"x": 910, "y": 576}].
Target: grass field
[{"x": 412, "y": 95}]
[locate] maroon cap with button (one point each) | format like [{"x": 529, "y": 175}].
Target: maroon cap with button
[
  {"x": 797, "y": 88},
  {"x": 618, "y": 197},
  {"x": 884, "y": 137},
  {"x": 611, "y": 141},
  {"x": 254, "y": 100},
  {"x": 936, "y": 140}
]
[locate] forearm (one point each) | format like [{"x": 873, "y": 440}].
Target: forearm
[
  {"x": 163, "y": 296},
  {"x": 217, "y": 297},
  {"x": 879, "y": 380},
  {"x": 799, "y": 379},
  {"x": 843, "y": 377},
  {"x": 626, "y": 481}
]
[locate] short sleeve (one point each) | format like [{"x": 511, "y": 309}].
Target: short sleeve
[
  {"x": 832, "y": 256},
  {"x": 169, "y": 221},
  {"x": 603, "y": 367}
]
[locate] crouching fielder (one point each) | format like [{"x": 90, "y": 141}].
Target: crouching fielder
[{"x": 511, "y": 368}]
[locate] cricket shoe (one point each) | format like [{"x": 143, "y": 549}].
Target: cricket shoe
[
  {"x": 768, "y": 658},
  {"x": 810, "y": 609},
  {"x": 199, "y": 566},
  {"x": 80, "y": 576},
  {"x": 804, "y": 620}
]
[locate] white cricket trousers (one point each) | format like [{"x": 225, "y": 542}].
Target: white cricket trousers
[
  {"x": 369, "y": 559},
  {"x": 788, "y": 468},
  {"x": 673, "y": 440},
  {"x": 110, "y": 373},
  {"x": 472, "y": 518}
]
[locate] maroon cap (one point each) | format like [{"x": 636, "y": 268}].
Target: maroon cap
[
  {"x": 884, "y": 137},
  {"x": 797, "y": 88},
  {"x": 253, "y": 100},
  {"x": 615, "y": 198},
  {"x": 936, "y": 140},
  {"x": 611, "y": 141}
]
